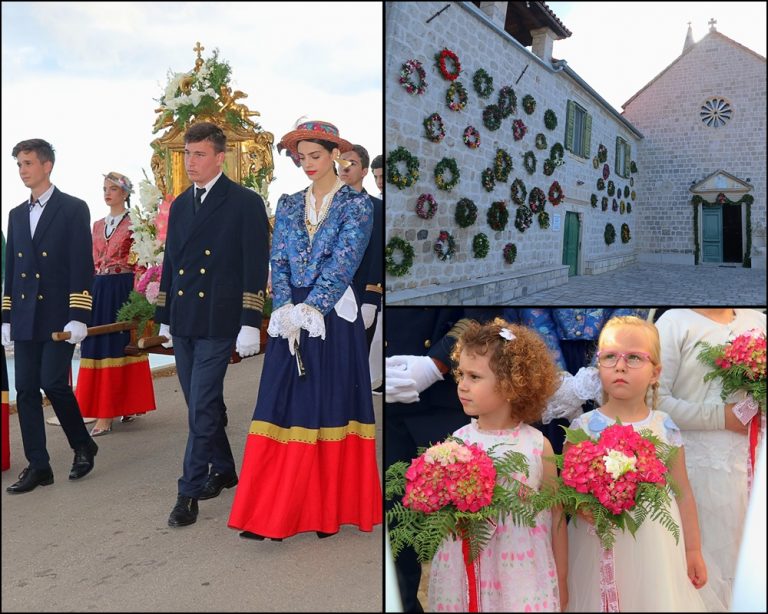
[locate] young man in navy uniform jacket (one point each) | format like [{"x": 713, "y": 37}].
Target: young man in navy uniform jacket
[
  {"x": 210, "y": 301},
  {"x": 48, "y": 278}
]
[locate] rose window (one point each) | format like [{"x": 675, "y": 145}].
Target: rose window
[{"x": 715, "y": 112}]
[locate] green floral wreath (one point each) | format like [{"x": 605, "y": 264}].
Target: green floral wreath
[
  {"x": 543, "y": 220},
  {"x": 434, "y": 128},
  {"x": 480, "y": 245},
  {"x": 483, "y": 83},
  {"x": 602, "y": 153},
  {"x": 456, "y": 88},
  {"x": 632, "y": 167},
  {"x": 633, "y": 194},
  {"x": 557, "y": 153},
  {"x": 600, "y": 184},
  {"x": 507, "y": 101},
  {"x": 492, "y": 117},
  {"x": 548, "y": 167},
  {"x": 445, "y": 246},
  {"x": 610, "y": 234},
  {"x": 529, "y": 162},
  {"x": 622, "y": 207},
  {"x": 488, "y": 179},
  {"x": 471, "y": 137},
  {"x": 498, "y": 215},
  {"x": 611, "y": 187},
  {"x": 450, "y": 165},
  {"x": 629, "y": 208},
  {"x": 401, "y": 154},
  {"x": 625, "y": 235},
  {"x": 523, "y": 218},
  {"x": 536, "y": 200},
  {"x": 593, "y": 200},
  {"x": 502, "y": 165},
  {"x": 550, "y": 119},
  {"x": 398, "y": 244},
  {"x": 541, "y": 141},
  {"x": 518, "y": 192},
  {"x": 466, "y": 213},
  {"x": 595, "y": 162},
  {"x": 626, "y": 191},
  {"x": 529, "y": 104},
  {"x": 604, "y": 203},
  {"x": 510, "y": 253}
]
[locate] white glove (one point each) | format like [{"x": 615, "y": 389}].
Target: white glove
[
  {"x": 310, "y": 319},
  {"x": 280, "y": 322},
  {"x": 369, "y": 314},
  {"x": 400, "y": 391},
  {"x": 7, "y": 335},
  {"x": 248, "y": 341},
  {"x": 165, "y": 331},
  {"x": 421, "y": 369},
  {"x": 77, "y": 330}
]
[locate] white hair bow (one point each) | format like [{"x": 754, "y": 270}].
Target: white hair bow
[{"x": 507, "y": 334}]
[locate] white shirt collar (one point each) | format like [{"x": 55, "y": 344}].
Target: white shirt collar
[
  {"x": 44, "y": 197},
  {"x": 209, "y": 185}
]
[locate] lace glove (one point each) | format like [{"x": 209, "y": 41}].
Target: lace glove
[
  {"x": 421, "y": 369},
  {"x": 564, "y": 403},
  {"x": 308, "y": 318},
  {"x": 7, "y": 335},
  {"x": 369, "y": 314},
  {"x": 165, "y": 331},
  {"x": 77, "y": 331},
  {"x": 248, "y": 341},
  {"x": 587, "y": 385},
  {"x": 280, "y": 321}
]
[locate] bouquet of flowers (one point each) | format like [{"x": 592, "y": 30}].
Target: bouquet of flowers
[
  {"x": 459, "y": 490},
  {"x": 621, "y": 479},
  {"x": 740, "y": 364}
]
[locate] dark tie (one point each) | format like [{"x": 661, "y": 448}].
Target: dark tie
[
  {"x": 198, "y": 198},
  {"x": 32, "y": 205}
]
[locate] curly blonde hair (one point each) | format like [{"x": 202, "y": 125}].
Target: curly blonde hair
[
  {"x": 523, "y": 367},
  {"x": 654, "y": 346}
]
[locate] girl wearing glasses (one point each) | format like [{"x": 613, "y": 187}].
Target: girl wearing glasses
[{"x": 651, "y": 571}]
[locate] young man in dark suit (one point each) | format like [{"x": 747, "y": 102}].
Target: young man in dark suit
[
  {"x": 368, "y": 280},
  {"x": 48, "y": 278},
  {"x": 210, "y": 301}
]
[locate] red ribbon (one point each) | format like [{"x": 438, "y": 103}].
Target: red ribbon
[
  {"x": 756, "y": 427},
  {"x": 471, "y": 576}
]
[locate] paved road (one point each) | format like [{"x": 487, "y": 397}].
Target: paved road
[
  {"x": 102, "y": 544},
  {"x": 654, "y": 285}
]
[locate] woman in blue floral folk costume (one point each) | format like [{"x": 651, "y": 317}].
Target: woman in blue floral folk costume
[{"x": 310, "y": 456}]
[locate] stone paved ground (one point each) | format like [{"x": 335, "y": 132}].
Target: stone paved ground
[{"x": 645, "y": 284}]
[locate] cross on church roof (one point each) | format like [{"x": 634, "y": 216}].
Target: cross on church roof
[{"x": 712, "y": 23}]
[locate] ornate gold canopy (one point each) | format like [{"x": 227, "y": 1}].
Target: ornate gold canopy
[{"x": 248, "y": 159}]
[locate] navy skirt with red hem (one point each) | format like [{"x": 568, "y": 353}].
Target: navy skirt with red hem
[{"x": 310, "y": 457}]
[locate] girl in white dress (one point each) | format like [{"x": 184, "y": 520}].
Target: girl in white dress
[
  {"x": 716, "y": 442},
  {"x": 650, "y": 571},
  {"x": 505, "y": 376}
]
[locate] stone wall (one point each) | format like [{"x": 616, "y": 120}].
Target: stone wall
[{"x": 480, "y": 43}]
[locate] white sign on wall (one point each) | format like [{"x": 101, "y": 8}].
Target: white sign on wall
[{"x": 556, "y": 221}]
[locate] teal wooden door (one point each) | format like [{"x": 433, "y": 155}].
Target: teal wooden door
[
  {"x": 571, "y": 242},
  {"x": 712, "y": 234}
]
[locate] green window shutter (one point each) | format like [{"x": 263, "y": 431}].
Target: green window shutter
[
  {"x": 569, "y": 126},
  {"x": 617, "y": 158},
  {"x": 627, "y": 158},
  {"x": 587, "y": 134}
]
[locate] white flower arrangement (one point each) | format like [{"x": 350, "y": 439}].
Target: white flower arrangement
[{"x": 148, "y": 249}]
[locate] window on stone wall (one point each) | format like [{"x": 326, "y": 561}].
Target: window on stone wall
[
  {"x": 623, "y": 152},
  {"x": 578, "y": 130},
  {"x": 715, "y": 112}
]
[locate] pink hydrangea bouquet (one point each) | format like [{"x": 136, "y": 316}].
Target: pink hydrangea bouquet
[
  {"x": 621, "y": 478},
  {"x": 740, "y": 364},
  {"x": 455, "y": 489}
]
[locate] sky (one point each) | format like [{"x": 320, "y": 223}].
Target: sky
[
  {"x": 619, "y": 47},
  {"x": 86, "y": 77}
]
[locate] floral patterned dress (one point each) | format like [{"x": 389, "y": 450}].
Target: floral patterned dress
[{"x": 517, "y": 568}]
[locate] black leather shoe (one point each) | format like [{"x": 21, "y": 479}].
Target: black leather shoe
[
  {"x": 83, "y": 462},
  {"x": 256, "y": 536},
  {"x": 322, "y": 535},
  {"x": 29, "y": 479},
  {"x": 184, "y": 512},
  {"x": 216, "y": 483}
]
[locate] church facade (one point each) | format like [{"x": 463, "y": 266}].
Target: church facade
[{"x": 507, "y": 172}]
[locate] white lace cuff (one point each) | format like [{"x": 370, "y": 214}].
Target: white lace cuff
[
  {"x": 564, "y": 403},
  {"x": 280, "y": 321},
  {"x": 587, "y": 385},
  {"x": 310, "y": 319}
]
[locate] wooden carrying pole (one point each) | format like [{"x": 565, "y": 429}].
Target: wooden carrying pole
[{"x": 104, "y": 329}]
